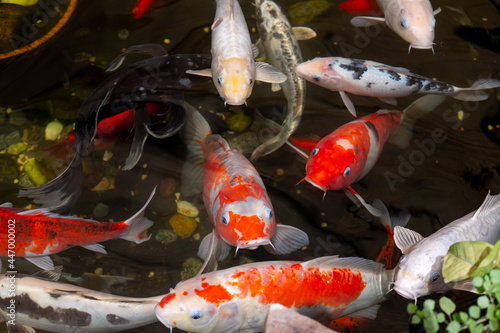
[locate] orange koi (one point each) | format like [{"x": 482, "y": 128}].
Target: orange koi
[
  {"x": 238, "y": 298},
  {"x": 39, "y": 233},
  {"x": 142, "y": 7},
  {"x": 360, "y": 7}
]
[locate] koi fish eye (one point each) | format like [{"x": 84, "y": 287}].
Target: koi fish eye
[
  {"x": 347, "y": 171},
  {"x": 225, "y": 218},
  {"x": 434, "y": 277},
  {"x": 404, "y": 23},
  {"x": 269, "y": 213},
  {"x": 315, "y": 151},
  {"x": 250, "y": 80},
  {"x": 220, "y": 80},
  {"x": 316, "y": 78},
  {"x": 196, "y": 314}
]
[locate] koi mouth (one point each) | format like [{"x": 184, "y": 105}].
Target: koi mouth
[
  {"x": 253, "y": 244},
  {"x": 314, "y": 184},
  {"x": 405, "y": 293},
  {"x": 164, "y": 322}
]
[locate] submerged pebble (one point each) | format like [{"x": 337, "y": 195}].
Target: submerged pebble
[
  {"x": 239, "y": 122},
  {"x": 166, "y": 236},
  {"x": 303, "y": 12},
  {"x": 167, "y": 186},
  {"x": 17, "y": 148},
  {"x": 190, "y": 268},
  {"x": 34, "y": 173},
  {"x": 101, "y": 210},
  {"x": 183, "y": 226},
  {"x": 53, "y": 130},
  {"x": 17, "y": 118},
  {"x": 186, "y": 208}
]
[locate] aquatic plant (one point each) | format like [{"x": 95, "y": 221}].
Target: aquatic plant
[{"x": 465, "y": 260}]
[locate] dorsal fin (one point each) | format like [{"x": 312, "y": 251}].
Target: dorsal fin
[
  {"x": 53, "y": 275},
  {"x": 488, "y": 204},
  {"x": 406, "y": 238}
]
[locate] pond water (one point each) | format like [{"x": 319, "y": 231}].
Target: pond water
[{"x": 440, "y": 185}]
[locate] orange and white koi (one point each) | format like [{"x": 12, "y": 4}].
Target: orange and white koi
[
  {"x": 370, "y": 78},
  {"x": 233, "y": 69},
  {"x": 347, "y": 154},
  {"x": 39, "y": 233},
  {"x": 238, "y": 299},
  {"x": 234, "y": 195},
  {"x": 412, "y": 20}
]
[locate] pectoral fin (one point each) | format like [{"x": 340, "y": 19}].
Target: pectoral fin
[
  {"x": 406, "y": 238},
  {"x": 18, "y": 328},
  {"x": 348, "y": 103},
  {"x": 201, "y": 72},
  {"x": 391, "y": 101},
  {"x": 287, "y": 239},
  {"x": 465, "y": 285},
  {"x": 43, "y": 262},
  {"x": 54, "y": 275},
  {"x": 370, "y": 313},
  {"x": 95, "y": 247},
  {"x": 303, "y": 33},
  {"x": 141, "y": 121},
  {"x": 217, "y": 22},
  {"x": 269, "y": 74},
  {"x": 366, "y": 21},
  {"x": 212, "y": 244}
]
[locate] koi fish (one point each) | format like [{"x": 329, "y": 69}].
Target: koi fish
[
  {"x": 347, "y": 154},
  {"x": 234, "y": 195},
  {"x": 419, "y": 272},
  {"x": 369, "y": 78},
  {"x": 108, "y": 130},
  {"x": 279, "y": 40},
  {"x": 157, "y": 80},
  {"x": 238, "y": 299},
  {"x": 412, "y": 20},
  {"x": 44, "y": 304},
  {"x": 233, "y": 68},
  {"x": 142, "y": 7},
  {"x": 360, "y": 7},
  {"x": 40, "y": 233}
]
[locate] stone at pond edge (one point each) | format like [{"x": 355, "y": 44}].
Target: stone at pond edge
[
  {"x": 183, "y": 226},
  {"x": 165, "y": 236},
  {"x": 32, "y": 170}
]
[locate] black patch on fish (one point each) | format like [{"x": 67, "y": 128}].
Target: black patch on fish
[
  {"x": 370, "y": 125},
  {"x": 273, "y": 13},
  {"x": 58, "y": 316},
  {"x": 357, "y": 148},
  {"x": 393, "y": 75},
  {"x": 330, "y": 66},
  {"x": 71, "y": 292},
  {"x": 116, "y": 320},
  {"x": 51, "y": 234},
  {"x": 393, "y": 89},
  {"x": 370, "y": 84},
  {"x": 54, "y": 295},
  {"x": 357, "y": 67},
  {"x": 386, "y": 83},
  {"x": 277, "y": 35},
  {"x": 437, "y": 86},
  {"x": 90, "y": 297},
  {"x": 412, "y": 81}
]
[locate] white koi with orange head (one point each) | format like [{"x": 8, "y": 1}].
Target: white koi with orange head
[
  {"x": 238, "y": 299},
  {"x": 234, "y": 195}
]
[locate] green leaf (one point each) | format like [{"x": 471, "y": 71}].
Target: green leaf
[
  {"x": 440, "y": 317},
  {"x": 490, "y": 311},
  {"x": 463, "y": 259},
  {"x": 493, "y": 323},
  {"x": 447, "y": 305},
  {"x": 415, "y": 320},
  {"x": 463, "y": 316},
  {"x": 495, "y": 276},
  {"x": 429, "y": 304},
  {"x": 411, "y": 308},
  {"x": 483, "y": 301},
  {"x": 477, "y": 281},
  {"x": 453, "y": 327},
  {"x": 431, "y": 324},
  {"x": 474, "y": 311}
]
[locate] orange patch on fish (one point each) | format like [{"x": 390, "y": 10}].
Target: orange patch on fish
[
  {"x": 166, "y": 299},
  {"x": 213, "y": 293},
  {"x": 296, "y": 286}
]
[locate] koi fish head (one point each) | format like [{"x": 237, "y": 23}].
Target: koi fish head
[
  {"x": 419, "y": 272},
  {"x": 334, "y": 164},
  {"x": 321, "y": 71},
  {"x": 197, "y": 306},
  {"x": 234, "y": 79},
  {"x": 414, "y": 23},
  {"x": 246, "y": 224}
]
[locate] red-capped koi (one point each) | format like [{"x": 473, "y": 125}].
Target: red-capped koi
[
  {"x": 234, "y": 195},
  {"x": 142, "y": 7},
  {"x": 360, "y": 7},
  {"x": 39, "y": 233},
  {"x": 238, "y": 298}
]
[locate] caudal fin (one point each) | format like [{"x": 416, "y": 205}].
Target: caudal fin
[
  {"x": 475, "y": 92},
  {"x": 138, "y": 223},
  {"x": 196, "y": 130},
  {"x": 401, "y": 137}
]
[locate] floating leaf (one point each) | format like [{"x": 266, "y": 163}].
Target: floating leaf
[
  {"x": 429, "y": 304},
  {"x": 431, "y": 324},
  {"x": 477, "y": 281},
  {"x": 447, "y": 305},
  {"x": 462, "y": 260},
  {"x": 415, "y": 320},
  {"x": 493, "y": 323},
  {"x": 453, "y": 327},
  {"x": 411, "y": 308},
  {"x": 441, "y": 318},
  {"x": 474, "y": 312},
  {"x": 483, "y": 301},
  {"x": 495, "y": 276}
]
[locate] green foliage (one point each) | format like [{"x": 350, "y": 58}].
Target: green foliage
[{"x": 479, "y": 262}]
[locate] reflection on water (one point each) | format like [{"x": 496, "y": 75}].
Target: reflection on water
[{"x": 437, "y": 183}]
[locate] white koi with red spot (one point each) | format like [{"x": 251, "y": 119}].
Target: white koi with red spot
[
  {"x": 234, "y": 196},
  {"x": 233, "y": 68},
  {"x": 238, "y": 299}
]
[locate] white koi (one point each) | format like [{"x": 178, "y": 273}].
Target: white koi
[
  {"x": 233, "y": 68},
  {"x": 419, "y": 271},
  {"x": 412, "y": 20},
  {"x": 370, "y": 78}
]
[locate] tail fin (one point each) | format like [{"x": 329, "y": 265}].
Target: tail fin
[
  {"x": 401, "y": 137},
  {"x": 475, "y": 92},
  {"x": 196, "y": 130},
  {"x": 138, "y": 223}
]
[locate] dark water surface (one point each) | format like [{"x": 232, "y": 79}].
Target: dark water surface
[{"x": 442, "y": 184}]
